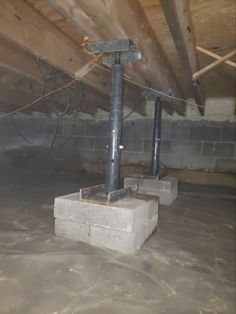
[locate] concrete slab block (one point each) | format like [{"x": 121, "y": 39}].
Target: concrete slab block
[
  {"x": 166, "y": 188},
  {"x": 152, "y": 224},
  {"x": 117, "y": 240},
  {"x": 72, "y": 230},
  {"x": 127, "y": 214},
  {"x": 122, "y": 226}
]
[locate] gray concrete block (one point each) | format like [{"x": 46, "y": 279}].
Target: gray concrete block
[
  {"x": 174, "y": 130},
  {"x": 127, "y": 214},
  {"x": 138, "y": 129},
  {"x": 152, "y": 225},
  {"x": 100, "y": 143},
  {"x": 218, "y": 149},
  {"x": 99, "y": 129},
  {"x": 175, "y": 147},
  {"x": 30, "y": 126},
  {"x": 122, "y": 226},
  {"x": 225, "y": 165},
  {"x": 198, "y": 162},
  {"x": 147, "y": 146},
  {"x": 80, "y": 142},
  {"x": 48, "y": 126},
  {"x": 80, "y": 128},
  {"x": 135, "y": 158},
  {"x": 72, "y": 230},
  {"x": 229, "y": 132},
  {"x": 173, "y": 160},
  {"x": 205, "y": 133},
  {"x": 3, "y": 141},
  {"x": 181, "y": 147},
  {"x": 65, "y": 129},
  {"x": 6, "y": 127},
  {"x": 88, "y": 155},
  {"x": 166, "y": 188},
  {"x": 117, "y": 240},
  {"x": 134, "y": 145}
]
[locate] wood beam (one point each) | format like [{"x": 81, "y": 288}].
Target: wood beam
[
  {"x": 23, "y": 25},
  {"x": 15, "y": 59},
  {"x": 109, "y": 20},
  {"x": 17, "y": 62},
  {"x": 207, "y": 68},
  {"x": 178, "y": 17}
]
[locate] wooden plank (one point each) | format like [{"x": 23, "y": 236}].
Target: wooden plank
[
  {"x": 23, "y": 25},
  {"x": 15, "y": 59},
  {"x": 215, "y": 56},
  {"x": 178, "y": 17},
  {"x": 126, "y": 19},
  {"x": 213, "y": 64}
]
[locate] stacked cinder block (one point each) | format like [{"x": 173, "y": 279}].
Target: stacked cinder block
[
  {"x": 122, "y": 226},
  {"x": 166, "y": 188}
]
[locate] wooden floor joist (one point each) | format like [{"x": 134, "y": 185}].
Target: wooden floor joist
[
  {"x": 24, "y": 26},
  {"x": 125, "y": 19},
  {"x": 178, "y": 17}
]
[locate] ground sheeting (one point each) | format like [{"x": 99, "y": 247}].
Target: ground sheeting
[{"x": 187, "y": 266}]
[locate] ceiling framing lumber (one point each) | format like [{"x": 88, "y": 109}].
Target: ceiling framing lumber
[
  {"x": 211, "y": 66},
  {"x": 28, "y": 90},
  {"x": 15, "y": 59},
  {"x": 22, "y": 24},
  {"x": 110, "y": 20},
  {"x": 17, "y": 62},
  {"x": 178, "y": 17},
  {"x": 215, "y": 56}
]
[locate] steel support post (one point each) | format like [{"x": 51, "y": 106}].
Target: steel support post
[
  {"x": 115, "y": 128},
  {"x": 156, "y": 140}
]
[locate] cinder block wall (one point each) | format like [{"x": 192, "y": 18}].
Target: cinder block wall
[{"x": 199, "y": 145}]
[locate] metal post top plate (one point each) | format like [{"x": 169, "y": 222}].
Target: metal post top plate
[
  {"x": 127, "y": 50},
  {"x": 112, "y": 46}
]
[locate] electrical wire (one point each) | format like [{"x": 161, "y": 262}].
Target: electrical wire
[
  {"x": 36, "y": 100},
  {"x": 129, "y": 114},
  {"x": 150, "y": 88},
  {"x": 165, "y": 94},
  {"x": 106, "y": 69},
  {"x": 20, "y": 133}
]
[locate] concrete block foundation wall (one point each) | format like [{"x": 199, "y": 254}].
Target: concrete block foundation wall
[{"x": 197, "y": 145}]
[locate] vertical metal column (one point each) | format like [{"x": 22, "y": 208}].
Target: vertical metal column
[
  {"x": 115, "y": 128},
  {"x": 156, "y": 140}
]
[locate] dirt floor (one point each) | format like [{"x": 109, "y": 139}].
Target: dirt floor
[{"x": 186, "y": 267}]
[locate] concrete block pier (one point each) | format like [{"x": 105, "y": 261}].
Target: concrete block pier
[
  {"x": 122, "y": 226},
  {"x": 166, "y": 188}
]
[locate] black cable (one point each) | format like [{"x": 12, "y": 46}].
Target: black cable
[
  {"x": 20, "y": 133},
  {"x": 129, "y": 114},
  {"x": 55, "y": 133}
]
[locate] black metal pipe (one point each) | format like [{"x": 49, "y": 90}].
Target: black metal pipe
[
  {"x": 156, "y": 140},
  {"x": 115, "y": 128}
]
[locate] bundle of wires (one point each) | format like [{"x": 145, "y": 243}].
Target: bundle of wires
[{"x": 72, "y": 97}]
